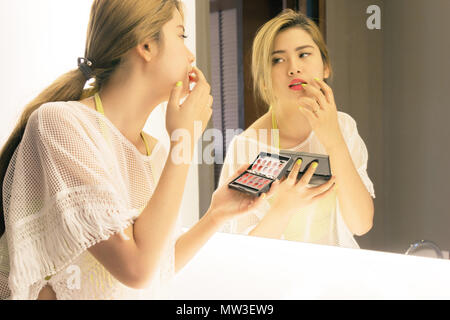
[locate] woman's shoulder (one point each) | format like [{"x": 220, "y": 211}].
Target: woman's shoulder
[
  {"x": 53, "y": 118},
  {"x": 346, "y": 122},
  {"x": 345, "y": 118},
  {"x": 58, "y": 110}
]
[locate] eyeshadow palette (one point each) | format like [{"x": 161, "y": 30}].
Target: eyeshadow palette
[
  {"x": 323, "y": 171},
  {"x": 260, "y": 175}
]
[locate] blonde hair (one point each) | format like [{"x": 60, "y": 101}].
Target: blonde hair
[
  {"x": 263, "y": 46},
  {"x": 115, "y": 27}
]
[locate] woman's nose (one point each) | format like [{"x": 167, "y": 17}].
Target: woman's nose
[{"x": 294, "y": 71}]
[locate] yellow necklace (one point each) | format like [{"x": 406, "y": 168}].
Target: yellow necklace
[{"x": 99, "y": 108}]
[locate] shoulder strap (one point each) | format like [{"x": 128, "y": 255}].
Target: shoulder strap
[{"x": 99, "y": 108}]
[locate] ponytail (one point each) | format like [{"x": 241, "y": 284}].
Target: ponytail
[
  {"x": 68, "y": 87},
  {"x": 115, "y": 27}
]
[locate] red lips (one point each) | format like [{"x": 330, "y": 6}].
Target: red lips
[{"x": 296, "y": 84}]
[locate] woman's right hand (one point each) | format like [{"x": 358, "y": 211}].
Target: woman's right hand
[
  {"x": 291, "y": 195},
  {"x": 196, "y": 107}
]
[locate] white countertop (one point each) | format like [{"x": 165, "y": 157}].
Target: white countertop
[{"x": 243, "y": 267}]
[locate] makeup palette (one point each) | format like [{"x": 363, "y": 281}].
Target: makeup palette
[
  {"x": 258, "y": 178},
  {"x": 323, "y": 171}
]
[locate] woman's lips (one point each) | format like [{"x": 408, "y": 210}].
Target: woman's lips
[
  {"x": 296, "y": 84},
  {"x": 296, "y": 87}
]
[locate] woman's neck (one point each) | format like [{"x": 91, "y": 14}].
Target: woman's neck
[
  {"x": 127, "y": 104},
  {"x": 293, "y": 127}
]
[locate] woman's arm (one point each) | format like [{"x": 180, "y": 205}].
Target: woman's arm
[
  {"x": 194, "y": 239},
  {"x": 226, "y": 204},
  {"x": 354, "y": 199},
  {"x": 134, "y": 261}
]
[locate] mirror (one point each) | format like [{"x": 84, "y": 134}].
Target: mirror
[{"x": 390, "y": 66}]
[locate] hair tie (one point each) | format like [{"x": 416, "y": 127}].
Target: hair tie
[{"x": 85, "y": 66}]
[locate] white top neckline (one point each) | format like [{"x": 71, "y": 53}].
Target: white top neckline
[{"x": 120, "y": 134}]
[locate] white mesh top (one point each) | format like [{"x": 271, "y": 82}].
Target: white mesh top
[
  {"x": 320, "y": 222},
  {"x": 74, "y": 181}
]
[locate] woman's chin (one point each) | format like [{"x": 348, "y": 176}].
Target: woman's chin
[{"x": 290, "y": 104}]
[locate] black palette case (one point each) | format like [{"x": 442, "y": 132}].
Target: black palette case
[
  {"x": 323, "y": 171},
  {"x": 260, "y": 175}
]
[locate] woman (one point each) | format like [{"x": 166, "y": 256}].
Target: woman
[
  {"x": 89, "y": 180},
  {"x": 90, "y": 203},
  {"x": 289, "y": 62}
]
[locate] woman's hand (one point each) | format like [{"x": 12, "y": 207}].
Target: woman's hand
[
  {"x": 196, "y": 107},
  {"x": 228, "y": 203},
  {"x": 287, "y": 196},
  {"x": 292, "y": 195},
  {"x": 320, "y": 110}
]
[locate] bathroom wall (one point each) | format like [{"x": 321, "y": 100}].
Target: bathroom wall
[
  {"x": 41, "y": 40},
  {"x": 394, "y": 83}
]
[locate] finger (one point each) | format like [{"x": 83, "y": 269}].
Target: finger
[
  {"x": 315, "y": 92},
  {"x": 210, "y": 101},
  {"x": 273, "y": 189},
  {"x": 207, "y": 111},
  {"x": 201, "y": 90},
  {"x": 310, "y": 103},
  {"x": 201, "y": 80},
  {"x": 199, "y": 99},
  {"x": 325, "y": 194},
  {"x": 260, "y": 202},
  {"x": 206, "y": 118},
  {"x": 328, "y": 92},
  {"x": 322, "y": 188},
  {"x": 292, "y": 178},
  {"x": 309, "y": 115},
  {"x": 175, "y": 95},
  {"x": 308, "y": 174}
]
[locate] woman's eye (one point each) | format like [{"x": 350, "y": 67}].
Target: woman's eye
[
  {"x": 276, "y": 60},
  {"x": 304, "y": 54}
]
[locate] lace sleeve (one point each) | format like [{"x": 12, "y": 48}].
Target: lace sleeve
[
  {"x": 61, "y": 196},
  {"x": 357, "y": 149}
]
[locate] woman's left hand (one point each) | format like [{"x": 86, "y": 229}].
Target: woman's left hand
[
  {"x": 227, "y": 203},
  {"x": 319, "y": 108}
]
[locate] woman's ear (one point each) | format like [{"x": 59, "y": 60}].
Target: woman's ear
[{"x": 146, "y": 50}]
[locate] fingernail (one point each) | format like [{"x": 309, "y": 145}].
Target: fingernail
[
  {"x": 263, "y": 196},
  {"x": 179, "y": 83},
  {"x": 299, "y": 161},
  {"x": 314, "y": 165},
  {"x": 304, "y": 84},
  {"x": 300, "y": 108},
  {"x": 317, "y": 79}
]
